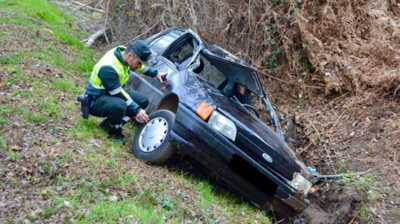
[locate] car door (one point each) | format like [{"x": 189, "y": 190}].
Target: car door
[
  {"x": 168, "y": 62},
  {"x": 151, "y": 86}
]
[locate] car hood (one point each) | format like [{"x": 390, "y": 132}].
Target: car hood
[{"x": 253, "y": 135}]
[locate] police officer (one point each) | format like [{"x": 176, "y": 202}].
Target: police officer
[{"x": 106, "y": 87}]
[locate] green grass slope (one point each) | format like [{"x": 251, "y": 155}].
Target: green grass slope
[{"x": 56, "y": 167}]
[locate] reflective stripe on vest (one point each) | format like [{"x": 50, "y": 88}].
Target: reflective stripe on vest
[{"x": 109, "y": 59}]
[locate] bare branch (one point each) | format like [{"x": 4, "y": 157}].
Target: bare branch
[{"x": 91, "y": 8}]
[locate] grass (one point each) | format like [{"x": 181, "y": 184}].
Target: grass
[
  {"x": 75, "y": 173},
  {"x": 1, "y": 142}
]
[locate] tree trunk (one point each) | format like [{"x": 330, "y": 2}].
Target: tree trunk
[
  {"x": 138, "y": 4},
  {"x": 175, "y": 5},
  {"x": 138, "y": 8}
]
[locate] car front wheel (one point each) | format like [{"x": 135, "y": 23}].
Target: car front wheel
[{"x": 151, "y": 139}]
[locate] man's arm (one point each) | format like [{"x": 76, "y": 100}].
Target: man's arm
[{"x": 149, "y": 71}]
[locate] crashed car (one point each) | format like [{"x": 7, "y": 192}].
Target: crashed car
[{"x": 204, "y": 111}]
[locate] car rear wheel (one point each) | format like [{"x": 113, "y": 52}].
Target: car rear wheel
[{"x": 151, "y": 140}]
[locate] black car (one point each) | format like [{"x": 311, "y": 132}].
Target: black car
[{"x": 204, "y": 110}]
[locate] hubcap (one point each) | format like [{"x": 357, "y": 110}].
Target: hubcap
[{"x": 153, "y": 134}]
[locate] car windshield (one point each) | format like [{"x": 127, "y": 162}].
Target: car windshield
[
  {"x": 182, "y": 54},
  {"x": 161, "y": 43}
]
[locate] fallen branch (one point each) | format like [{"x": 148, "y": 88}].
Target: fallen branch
[
  {"x": 89, "y": 41},
  {"x": 91, "y": 8},
  {"x": 325, "y": 177},
  {"x": 354, "y": 217}
]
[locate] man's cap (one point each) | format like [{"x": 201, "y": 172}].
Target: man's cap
[{"x": 142, "y": 50}]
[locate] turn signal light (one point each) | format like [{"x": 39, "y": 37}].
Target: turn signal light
[{"x": 204, "y": 110}]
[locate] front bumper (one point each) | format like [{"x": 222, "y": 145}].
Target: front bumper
[{"x": 194, "y": 137}]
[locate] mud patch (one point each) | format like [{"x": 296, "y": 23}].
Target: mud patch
[{"x": 334, "y": 202}]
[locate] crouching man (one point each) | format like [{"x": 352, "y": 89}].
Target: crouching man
[{"x": 106, "y": 87}]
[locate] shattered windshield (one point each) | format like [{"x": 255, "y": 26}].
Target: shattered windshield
[{"x": 161, "y": 43}]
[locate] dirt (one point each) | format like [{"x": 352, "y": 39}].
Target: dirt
[
  {"x": 349, "y": 136},
  {"x": 334, "y": 203}
]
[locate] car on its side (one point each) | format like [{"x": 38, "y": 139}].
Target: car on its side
[{"x": 204, "y": 110}]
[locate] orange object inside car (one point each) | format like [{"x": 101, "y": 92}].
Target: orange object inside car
[{"x": 204, "y": 110}]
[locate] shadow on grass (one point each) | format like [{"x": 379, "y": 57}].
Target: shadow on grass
[{"x": 197, "y": 172}]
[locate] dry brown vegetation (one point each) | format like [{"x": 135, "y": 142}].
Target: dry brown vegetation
[{"x": 341, "y": 45}]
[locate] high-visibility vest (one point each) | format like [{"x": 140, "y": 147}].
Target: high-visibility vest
[{"x": 109, "y": 59}]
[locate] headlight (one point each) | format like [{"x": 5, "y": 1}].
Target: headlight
[
  {"x": 223, "y": 125},
  {"x": 301, "y": 184}
]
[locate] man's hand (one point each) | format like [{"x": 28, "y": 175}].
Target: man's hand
[
  {"x": 142, "y": 116},
  {"x": 162, "y": 76}
]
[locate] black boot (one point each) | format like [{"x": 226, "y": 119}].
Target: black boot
[
  {"x": 116, "y": 134},
  {"x": 114, "y": 131}
]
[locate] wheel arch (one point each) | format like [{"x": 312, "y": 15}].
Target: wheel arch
[{"x": 169, "y": 102}]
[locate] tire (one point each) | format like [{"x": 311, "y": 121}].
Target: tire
[{"x": 151, "y": 139}]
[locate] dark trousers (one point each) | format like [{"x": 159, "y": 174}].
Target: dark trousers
[{"x": 115, "y": 108}]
